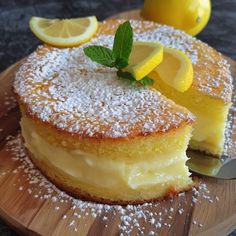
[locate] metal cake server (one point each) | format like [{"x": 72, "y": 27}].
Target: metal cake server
[{"x": 223, "y": 168}]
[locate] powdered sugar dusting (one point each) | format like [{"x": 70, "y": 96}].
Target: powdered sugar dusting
[
  {"x": 64, "y": 87},
  {"x": 172, "y": 38}
]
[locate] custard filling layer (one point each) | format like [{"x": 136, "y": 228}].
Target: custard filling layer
[{"x": 107, "y": 173}]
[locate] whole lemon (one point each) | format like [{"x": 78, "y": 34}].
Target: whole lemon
[{"x": 188, "y": 15}]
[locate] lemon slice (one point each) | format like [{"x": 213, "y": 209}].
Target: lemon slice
[
  {"x": 176, "y": 69},
  {"x": 66, "y": 32},
  {"x": 144, "y": 57}
]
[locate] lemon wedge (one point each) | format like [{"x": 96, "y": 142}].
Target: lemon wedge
[
  {"x": 144, "y": 57},
  {"x": 66, "y": 32},
  {"x": 176, "y": 69}
]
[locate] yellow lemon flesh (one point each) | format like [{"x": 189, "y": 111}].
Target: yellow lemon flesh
[
  {"x": 188, "y": 15},
  {"x": 176, "y": 69},
  {"x": 144, "y": 57},
  {"x": 66, "y": 32}
]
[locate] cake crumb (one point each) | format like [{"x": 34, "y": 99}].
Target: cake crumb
[{"x": 181, "y": 211}]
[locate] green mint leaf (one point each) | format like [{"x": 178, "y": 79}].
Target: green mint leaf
[
  {"x": 125, "y": 75},
  {"x": 101, "y": 55},
  {"x": 134, "y": 83},
  {"x": 123, "y": 43},
  {"x": 119, "y": 55},
  {"x": 120, "y": 63},
  {"x": 146, "y": 81}
]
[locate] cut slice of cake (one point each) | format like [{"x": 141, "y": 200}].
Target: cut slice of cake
[
  {"x": 211, "y": 114},
  {"x": 209, "y": 96}
]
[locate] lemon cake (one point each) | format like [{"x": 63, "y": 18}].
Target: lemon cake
[{"x": 97, "y": 137}]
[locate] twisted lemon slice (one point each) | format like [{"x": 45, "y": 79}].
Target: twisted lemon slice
[
  {"x": 176, "y": 69},
  {"x": 66, "y": 32},
  {"x": 144, "y": 57}
]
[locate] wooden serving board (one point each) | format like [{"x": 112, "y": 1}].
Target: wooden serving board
[{"x": 21, "y": 206}]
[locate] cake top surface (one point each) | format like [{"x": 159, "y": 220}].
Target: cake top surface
[
  {"x": 63, "y": 87},
  {"x": 66, "y": 89}
]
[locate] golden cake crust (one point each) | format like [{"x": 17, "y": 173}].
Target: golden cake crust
[
  {"x": 136, "y": 133},
  {"x": 129, "y": 149}
]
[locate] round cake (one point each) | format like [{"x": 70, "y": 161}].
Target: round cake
[{"x": 99, "y": 138}]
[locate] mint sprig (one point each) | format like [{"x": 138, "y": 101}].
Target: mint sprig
[
  {"x": 101, "y": 55},
  {"x": 146, "y": 81},
  {"x": 118, "y": 57},
  {"x": 123, "y": 43}
]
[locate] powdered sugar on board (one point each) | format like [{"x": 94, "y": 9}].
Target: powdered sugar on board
[{"x": 146, "y": 219}]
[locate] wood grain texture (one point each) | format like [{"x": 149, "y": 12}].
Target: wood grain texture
[{"x": 33, "y": 216}]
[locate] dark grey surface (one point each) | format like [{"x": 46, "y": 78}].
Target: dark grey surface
[{"x": 17, "y": 41}]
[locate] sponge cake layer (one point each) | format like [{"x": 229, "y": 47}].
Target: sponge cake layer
[{"x": 159, "y": 172}]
